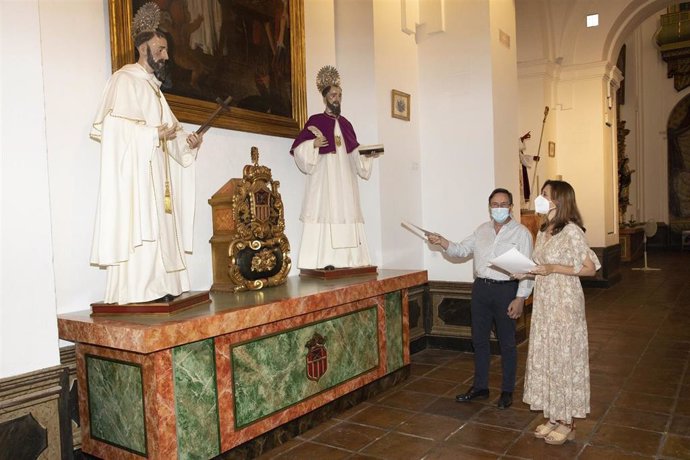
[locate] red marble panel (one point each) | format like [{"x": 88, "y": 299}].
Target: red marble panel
[
  {"x": 224, "y": 384},
  {"x": 164, "y": 419},
  {"x": 381, "y": 329}
]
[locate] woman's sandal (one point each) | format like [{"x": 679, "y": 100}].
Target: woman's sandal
[
  {"x": 560, "y": 435},
  {"x": 543, "y": 430}
]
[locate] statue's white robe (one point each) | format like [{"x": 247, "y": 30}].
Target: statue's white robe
[
  {"x": 141, "y": 246},
  {"x": 333, "y": 232}
]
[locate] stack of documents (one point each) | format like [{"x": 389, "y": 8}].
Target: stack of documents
[{"x": 513, "y": 262}]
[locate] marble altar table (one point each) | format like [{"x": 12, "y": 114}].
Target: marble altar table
[{"x": 199, "y": 382}]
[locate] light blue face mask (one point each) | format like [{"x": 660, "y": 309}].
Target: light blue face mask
[{"x": 500, "y": 215}]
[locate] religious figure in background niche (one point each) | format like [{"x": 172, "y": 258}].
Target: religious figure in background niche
[
  {"x": 327, "y": 151},
  {"x": 526, "y": 162},
  {"x": 146, "y": 200},
  {"x": 624, "y": 172}
]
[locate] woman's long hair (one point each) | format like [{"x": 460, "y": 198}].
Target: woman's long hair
[{"x": 563, "y": 196}]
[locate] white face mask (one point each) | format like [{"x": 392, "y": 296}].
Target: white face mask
[
  {"x": 500, "y": 215},
  {"x": 542, "y": 205}
]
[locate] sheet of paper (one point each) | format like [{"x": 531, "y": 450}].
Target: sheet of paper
[
  {"x": 513, "y": 262},
  {"x": 417, "y": 230}
]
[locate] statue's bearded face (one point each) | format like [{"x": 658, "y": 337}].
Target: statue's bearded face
[
  {"x": 333, "y": 99},
  {"x": 157, "y": 57}
]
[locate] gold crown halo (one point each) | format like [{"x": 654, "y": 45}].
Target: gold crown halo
[
  {"x": 147, "y": 19},
  {"x": 327, "y": 76}
]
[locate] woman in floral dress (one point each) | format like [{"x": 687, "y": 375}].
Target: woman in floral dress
[{"x": 557, "y": 375}]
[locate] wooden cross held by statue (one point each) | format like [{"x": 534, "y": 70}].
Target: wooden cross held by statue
[{"x": 223, "y": 105}]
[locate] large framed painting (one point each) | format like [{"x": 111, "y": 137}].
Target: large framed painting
[{"x": 250, "y": 50}]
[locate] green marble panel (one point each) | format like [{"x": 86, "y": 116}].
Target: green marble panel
[
  {"x": 196, "y": 400},
  {"x": 270, "y": 374},
  {"x": 394, "y": 331},
  {"x": 116, "y": 403}
]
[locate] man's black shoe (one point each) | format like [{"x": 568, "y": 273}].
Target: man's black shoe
[
  {"x": 506, "y": 400},
  {"x": 472, "y": 394}
]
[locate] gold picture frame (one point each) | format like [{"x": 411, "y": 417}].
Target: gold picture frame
[
  {"x": 275, "y": 75},
  {"x": 552, "y": 149},
  {"x": 400, "y": 105}
]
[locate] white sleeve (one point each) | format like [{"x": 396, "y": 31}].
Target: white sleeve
[
  {"x": 306, "y": 156},
  {"x": 362, "y": 164},
  {"x": 179, "y": 150}
]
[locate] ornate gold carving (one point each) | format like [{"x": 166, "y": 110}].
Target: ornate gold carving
[
  {"x": 263, "y": 261},
  {"x": 258, "y": 250}
]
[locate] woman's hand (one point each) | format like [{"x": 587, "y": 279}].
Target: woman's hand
[
  {"x": 520, "y": 276},
  {"x": 543, "y": 270}
]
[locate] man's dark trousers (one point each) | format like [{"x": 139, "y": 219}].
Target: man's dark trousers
[{"x": 489, "y": 303}]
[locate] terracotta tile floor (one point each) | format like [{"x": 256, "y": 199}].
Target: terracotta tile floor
[{"x": 639, "y": 334}]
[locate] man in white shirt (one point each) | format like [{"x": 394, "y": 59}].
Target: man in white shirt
[{"x": 496, "y": 297}]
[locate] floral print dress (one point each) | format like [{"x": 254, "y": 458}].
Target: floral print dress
[{"x": 557, "y": 376}]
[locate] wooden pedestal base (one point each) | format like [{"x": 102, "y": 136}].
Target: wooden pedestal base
[
  {"x": 337, "y": 273},
  {"x": 181, "y": 302}
]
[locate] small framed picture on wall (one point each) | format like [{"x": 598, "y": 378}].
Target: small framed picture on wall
[
  {"x": 552, "y": 149},
  {"x": 400, "y": 105}
]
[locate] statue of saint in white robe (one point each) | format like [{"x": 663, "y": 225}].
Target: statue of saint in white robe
[
  {"x": 141, "y": 246},
  {"x": 333, "y": 232}
]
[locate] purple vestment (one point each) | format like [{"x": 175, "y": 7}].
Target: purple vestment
[{"x": 326, "y": 124}]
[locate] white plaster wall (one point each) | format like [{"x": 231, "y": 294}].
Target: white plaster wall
[
  {"x": 505, "y": 96},
  {"x": 28, "y": 329},
  {"x": 581, "y": 148},
  {"x": 396, "y": 67},
  {"x": 456, "y": 129}
]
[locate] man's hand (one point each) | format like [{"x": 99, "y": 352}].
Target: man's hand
[
  {"x": 194, "y": 140},
  {"x": 435, "y": 238},
  {"x": 515, "y": 307},
  {"x": 165, "y": 132}
]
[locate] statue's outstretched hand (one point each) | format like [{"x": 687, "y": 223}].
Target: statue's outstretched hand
[{"x": 320, "y": 140}]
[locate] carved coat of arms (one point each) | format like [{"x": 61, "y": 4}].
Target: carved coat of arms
[{"x": 317, "y": 357}]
